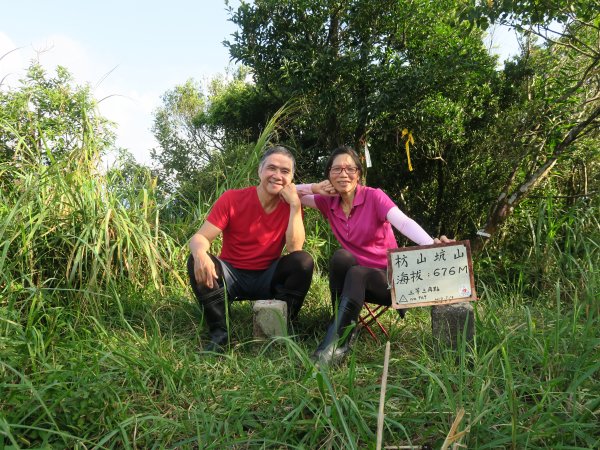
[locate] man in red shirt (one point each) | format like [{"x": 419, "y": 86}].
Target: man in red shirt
[{"x": 256, "y": 223}]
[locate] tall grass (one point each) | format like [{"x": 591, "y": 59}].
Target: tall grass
[
  {"x": 64, "y": 227},
  {"x": 528, "y": 380},
  {"x": 546, "y": 242}
]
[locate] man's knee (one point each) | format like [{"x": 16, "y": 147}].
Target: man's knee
[
  {"x": 199, "y": 288},
  {"x": 190, "y": 269},
  {"x": 303, "y": 261}
]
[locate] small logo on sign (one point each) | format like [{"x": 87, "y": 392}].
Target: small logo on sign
[{"x": 465, "y": 291}]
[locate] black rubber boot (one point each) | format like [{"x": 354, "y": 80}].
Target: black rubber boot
[
  {"x": 294, "y": 300},
  {"x": 213, "y": 305},
  {"x": 335, "y": 347}
]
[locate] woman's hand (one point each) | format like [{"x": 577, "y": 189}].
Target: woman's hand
[
  {"x": 443, "y": 240},
  {"x": 324, "y": 188}
]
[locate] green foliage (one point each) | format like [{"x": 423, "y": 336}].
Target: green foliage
[
  {"x": 184, "y": 148},
  {"x": 367, "y": 70},
  {"x": 239, "y": 110},
  {"x": 202, "y": 135},
  {"x": 364, "y": 72},
  {"x": 63, "y": 224},
  {"x": 560, "y": 242},
  {"x": 49, "y": 118},
  {"x": 547, "y": 130},
  {"x": 69, "y": 230},
  {"x": 531, "y": 12}
]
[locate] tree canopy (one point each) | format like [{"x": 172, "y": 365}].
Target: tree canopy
[{"x": 455, "y": 140}]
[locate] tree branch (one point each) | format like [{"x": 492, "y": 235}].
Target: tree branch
[{"x": 505, "y": 204}]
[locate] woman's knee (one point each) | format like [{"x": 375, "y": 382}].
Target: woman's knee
[
  {"x": 342, "y": 257},
  {"x": 341, "y": 261},
  {"x": 358, "y": 271},
  {"x": 355, "y": 282},
  {"x": 355, "y": 277}
]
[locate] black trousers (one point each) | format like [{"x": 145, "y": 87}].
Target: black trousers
[
  {"x": 292, "y": 273},
  {"x": 348, "y": 279}
]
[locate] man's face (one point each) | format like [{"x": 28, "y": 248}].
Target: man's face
[{"x": 275, "y": 173}]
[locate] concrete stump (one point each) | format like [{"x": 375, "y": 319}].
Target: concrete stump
[
  {"x": 448, "y": 322},
  {"x": 269, "y": 318}
]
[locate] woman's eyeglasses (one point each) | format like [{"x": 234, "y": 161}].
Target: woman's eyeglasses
[{"x": 336, "y": 170}]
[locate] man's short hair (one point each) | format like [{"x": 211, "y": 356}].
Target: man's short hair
[{"x": 280, "y": 149}]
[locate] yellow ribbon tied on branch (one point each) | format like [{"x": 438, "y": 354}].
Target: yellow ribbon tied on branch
[{"x": 409, "y": 140}]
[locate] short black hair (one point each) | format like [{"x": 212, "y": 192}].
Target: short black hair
[{"x": 344, "y": 150}]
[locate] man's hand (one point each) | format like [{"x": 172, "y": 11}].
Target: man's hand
[
  {"x": 204, "y": 270},
  {"x": 443, "y": 240},
  {"x": 290, "y": 196},
  {"x": 324, "y": 188}
]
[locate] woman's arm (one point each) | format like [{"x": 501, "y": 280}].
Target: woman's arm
[
  {"x": 408, "y": 227},
  {"x": 306, "y": 192},
  {"x": 306, "y": 195},
  {"x": 412, "y": 230}
]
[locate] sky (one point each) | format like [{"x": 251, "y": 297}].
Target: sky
[{"x": 130, "y": 53}]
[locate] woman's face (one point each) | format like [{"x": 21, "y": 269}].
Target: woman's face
[{"x": 342, "y": 181}]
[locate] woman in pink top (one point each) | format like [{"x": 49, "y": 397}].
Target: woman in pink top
[{"x": 361, "y": 219}]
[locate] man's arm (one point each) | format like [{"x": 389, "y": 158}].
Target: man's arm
[
  {"x": 204, "y": 267},
  {"x": 294, "y": 234}
]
